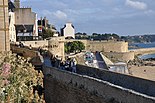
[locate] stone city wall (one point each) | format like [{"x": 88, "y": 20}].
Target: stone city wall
[
  {"x": 36, "y": 44},
  {"x": 66, "y": 87},
  {"x": 144, "y": 51},
  {"x": 56, "y": 46},
  {"x": 23, "y": 51},
  {"x": 127, "y": 81},
  {"x": 106, "y": 46},
  {"x": 119, "y": 56}
]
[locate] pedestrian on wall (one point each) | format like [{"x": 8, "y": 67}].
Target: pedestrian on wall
[
  {"x": 39, "y": 49},
  {"x": 58, "y": 61},
  {"x": 53, "y": 60},
  {"x": 71, "y": 65},
  {"x": 67, "y": 63},
  {"x": 62, "y": 65},
  {"x": 74, "y": 66},
  {"x": 30, "y": 47}
]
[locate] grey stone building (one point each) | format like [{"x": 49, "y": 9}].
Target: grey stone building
[{"x": 25, "y": 22}]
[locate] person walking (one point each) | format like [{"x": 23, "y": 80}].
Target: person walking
[
  {"x": 53, "y": 60},
  {"x": 61, "y": 65},
  {"x": 74, "y": 66}
]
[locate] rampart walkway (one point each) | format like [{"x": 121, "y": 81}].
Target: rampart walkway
[
  {"x": 100, "y": 61},
  {"x": 144, "y": 51}
]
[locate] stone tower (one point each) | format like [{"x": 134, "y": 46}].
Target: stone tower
[
  {"x": 17, "y": 3},
  {"x": 4, "y": 26},
  {"x": 56, "y": 46}
]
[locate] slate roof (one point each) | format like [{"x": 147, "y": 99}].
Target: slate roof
[
  {"x": 11, "y": 6},
  {"x": 21, "y": 28}
]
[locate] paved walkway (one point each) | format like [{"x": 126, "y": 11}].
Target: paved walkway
[
  {"x": 47, "y": 61},
  {"x": 100, "y": 61}
]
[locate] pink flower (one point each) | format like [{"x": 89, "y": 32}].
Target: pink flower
[
  {"x": 6, "y": 70},
  {"x": 5, "y": 82}
]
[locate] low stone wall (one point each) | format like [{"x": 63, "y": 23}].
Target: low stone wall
[
  {"x": 144, "y": 51},
  {"x": 66, "y": 87},
  {"x": 122, "y": 56},
  {"x": 36, "y": 44},
  {"x": 24, "y": 51},
  {"x": 137, "y": 84}
]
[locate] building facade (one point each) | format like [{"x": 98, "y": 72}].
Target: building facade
[
  {"x": 44, "y": 24},
  {"x": 22, "y": 22},
  {"x": 25, "y": 22},
  {"x": 68, "y": 31},
  {"x": 12, "y": 29},
  {"x": 25, "y": 17},
  {"x": 4, "y": 27}
]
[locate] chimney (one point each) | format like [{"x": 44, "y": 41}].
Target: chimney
[{"x": 17, "y": 3}]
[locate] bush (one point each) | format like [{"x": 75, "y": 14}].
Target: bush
[{"x": 17, "y": 79}]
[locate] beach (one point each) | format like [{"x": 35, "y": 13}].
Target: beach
[{"x": 145, "y": 72}]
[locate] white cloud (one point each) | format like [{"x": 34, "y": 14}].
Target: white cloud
[
  {"x": 136, "y": 4},
  {"x": 60, "y": 15},
  {"x": 150, "y": 12}
]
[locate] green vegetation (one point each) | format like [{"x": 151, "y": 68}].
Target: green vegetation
[
  {"x": 46, "y": 33},
  {"x": 18, "y": 79},
  {"x": 75, "y": 46},
  {"x": 139, "y": 39},
  {"x": 96, "y": 36},
  {"x": 113, "y": 36}
]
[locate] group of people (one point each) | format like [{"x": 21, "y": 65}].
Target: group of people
[
  {"x": 21, "y": 45},
  {"x": 69, "y": 64}
]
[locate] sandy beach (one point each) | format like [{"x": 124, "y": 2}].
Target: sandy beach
[{"x": 145, "y": 72}]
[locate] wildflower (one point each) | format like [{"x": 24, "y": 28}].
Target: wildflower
[
  {"x": 5, "y": 82},
  {"x": 6, "y": 70}
]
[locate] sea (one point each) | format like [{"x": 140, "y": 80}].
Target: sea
[{"x": 145, "y": 45}]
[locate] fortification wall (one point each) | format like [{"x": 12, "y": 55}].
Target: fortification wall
[
  {"x": 106, "y": 46},
  {"x": 25, "y": 52},
  {"x": 144, "y": 51},
  {"x": 56, "y": 46},
  {"x": 66, "y": 87},
  {"x": 119, "y": 56},
  {"x": 36, "y": 44},
  {"x": 126, "y": 81}
]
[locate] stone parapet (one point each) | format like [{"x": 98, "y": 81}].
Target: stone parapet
[{"x": 65, "y": 87}]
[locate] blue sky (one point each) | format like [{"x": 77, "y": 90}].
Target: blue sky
[{"x": 124, "y": 17}]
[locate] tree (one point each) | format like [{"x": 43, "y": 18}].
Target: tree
[
  {"x": 115, "y": 36},
  {"x": 46, "y": 33},
  {"x": 75, "y": 46},
  {"x": 80, "y": 46}
]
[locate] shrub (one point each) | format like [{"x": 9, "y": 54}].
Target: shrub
[{"x": 17, "y": 79}]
